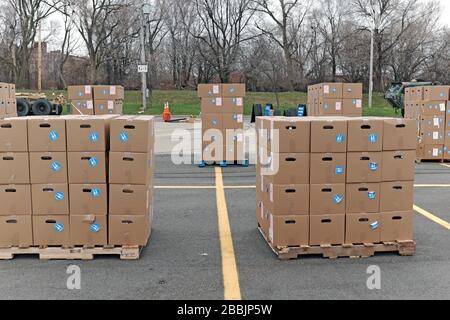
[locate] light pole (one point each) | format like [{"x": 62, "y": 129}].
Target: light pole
[
  {"x": 372, "y": 53},
  {"x": 144, "y": 13}
]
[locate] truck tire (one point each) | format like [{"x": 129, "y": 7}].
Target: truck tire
[
  {"x": 42, "y": 108},
  {"x": 58, "y": 109},
  {"x": 23, "y": 108}
]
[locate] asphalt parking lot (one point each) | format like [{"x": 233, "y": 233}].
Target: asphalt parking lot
[{"x": 187, "y": 260}]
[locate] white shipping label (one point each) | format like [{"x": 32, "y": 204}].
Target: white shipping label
[
  {"x": 326, "y": 89},
  {"x": 239, "y": 102},
  {"x": 216, "y": 89},
  {"x": 240, "y": 118},
  {"x": 442, "y": 105},
  {"x": 112, "y": 90},
  {"x": 110, "y": 105},
  {"x": 89, "y": 105},
  {"x": 436, "y": 122},
  {"x": 87, "y": 90},
  {"x": 271, "y": 228},
  {"x": 435, "y": 135},
  {"x": 218, "y": 102},
  {"x": 338, "y": 106},
  {"x": 435, "y": 152},
  {"x": 358, "y": 104}
]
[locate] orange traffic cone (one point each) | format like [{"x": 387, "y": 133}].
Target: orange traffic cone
[{"x": 167, "y": 116}]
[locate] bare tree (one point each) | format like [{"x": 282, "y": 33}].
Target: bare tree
[{"x": 224, "y": 23}]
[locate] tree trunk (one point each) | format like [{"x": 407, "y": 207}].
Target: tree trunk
[{"x": 290, "y": 69}]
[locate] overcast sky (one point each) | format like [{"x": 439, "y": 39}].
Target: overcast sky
[{"x": 446, "y": 14}]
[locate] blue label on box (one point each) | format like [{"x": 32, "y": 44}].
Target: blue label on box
[
  {"x": 373, "y": 166},
  {"x": 94, "y": 228},
  {"x": 340, "y": 170},
  {"x": 337, "y": 199},
  {"x": 123, "y": 137},
  {"x": 93, "y": 162},
  {"x": 58, "y": 227},
  {"x": 59, "y": 196},
  {"x": 53, "y": 136},
  {"x": 96, "y": 193},
  {"x": 372, "y": 195},
  {"x": 375, "y": 225},
  {"x": 373, "y": 138},
  {"x": 56, "y": 166},
  {"x": 94, "y": 137},
  {"x": 340, "y": 138}
]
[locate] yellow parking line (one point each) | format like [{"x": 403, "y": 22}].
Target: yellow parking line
[
  {"x": 185, "y": 187},
  {"x": 432, "y": 185},
  {"x": 445, "y": 165},
  {"x": 253, "y": 187},
  {"x": 232, "y": 290},
  {"x": 432, "y": 217}
]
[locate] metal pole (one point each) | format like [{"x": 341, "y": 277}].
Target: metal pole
[
  {"x": 372, "y": 44},
  {"x": 39, "y": 59},
  {"x": 143, "y": 75}
]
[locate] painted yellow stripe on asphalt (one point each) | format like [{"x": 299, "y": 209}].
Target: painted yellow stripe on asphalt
[
  {"x": 432, "y": 217},
  {"x": 254, "y": 187},
  {"x": 432, "y": 186},
  {"x": 232, "y": 290},
  {"x": 185, "y": 187},
  {"x": 445, "y": 165}
]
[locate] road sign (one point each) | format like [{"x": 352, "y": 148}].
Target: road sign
[{"x": 142, "y": 68}]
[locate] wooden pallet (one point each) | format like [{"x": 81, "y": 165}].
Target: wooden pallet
[
  {"x": 353, "y": 251},
  {"x": 75, "y": 253}
]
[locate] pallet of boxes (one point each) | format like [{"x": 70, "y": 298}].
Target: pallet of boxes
[
  {"x": 8, "y": 104},
  {"x": 96, "y": 100},
  {"x": 335, "y": 99},
  {"x": 335, "y": 186},
  {"x": 430, "y": 106},
  {"x": 54, "y": 188},
  {"x": 222, "y": 108}
]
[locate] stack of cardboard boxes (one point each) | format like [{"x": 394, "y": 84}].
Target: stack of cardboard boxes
[
  {"x": 98, "y": 100},
  {"x": 335, "y": 180},
  {"x": 54, "y": 181},
  {"x": 335, "y": 99},
  {"x": 8, "y": 106},
  {"x": 222, "y": 107},
  {"x": 430, "y": 107}
]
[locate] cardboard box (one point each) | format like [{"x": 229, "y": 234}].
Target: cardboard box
[
  {"x": 397, "y": 226},
  {"x": 213, "y": 151},
  {"x": 330, "y": 90},
  {"x": 108, "y": 93},
  {"x": 209, "y": 90},
  {"x": 262, "y": 216},
  {"x": 352, "y": 91},
  {"x": 15, "y": 200},
  {"x": 288, "y": 200},
  {"x": 447, "y": 151},
  {"x": 432, "y": 123},
  {"x": 87, "y": 134},
  {"x": 417, "y": 94},
  {"x": 80, "y": 92},
  {"x": 108, "y": 107},
  {"x": 88, "y": 230},
  {"x": 233, "y": 105},
  {"x": 87, "y": 167},
  {"x": 412, "y": 110},
  {"x": 234, "y": 147},
  {"x": 328, "y": 168},
  {"x": 212, "y": 121},
  {"x": 16, "y": 231},
  {"x": 364, "y": 167},
  {"x": 47, "y": 134},
  {"x": 400, "y": 134},
  {"x": 436, "y": 93},
  {"x": 130, "y": 200},
  {"x": 12, "y": 91},
  {"x": 363, "y": 198},
  {"x": 433, "y": 108},
  {"x": 11, "y": 107},
  {"x": 327, "y": 230},
  {"x": 50, "y": 199},
  {"x": 129, "y": 230},
  {"x": 289, "y": 231},
  {"x": 4, "y": 90},
  {"x": 436, "y": 137},
  {"x": 13, "y": 135},
  {"x": 363, "y": 228},
  {"x": 327, "y": 199},
  {"x": 82, "y": 107},
  {"x": 430, "y": 152},
  {"x": 132, "y": 134},
  {"x": 2, "y": 108},
  {"x": 398, "y": 166},
  {"x": 352, "y": 107},
  {"x": 365, "y": 134},
  {"x": 212, "y": 105},
  {"x": 48, "y": 167},
  {"x": 329, "y": 135},
  {"x": 289, "y": 135},
  {"x": 233, "y": 90},
  {"x": 51, "y": 230},
  {"x": 288, "y": 168},
  {"x": 14, "y": 168},
  {"x": 89, "y": 199},
  {"x": 397, "y": 196},
  {"x": 329, "y": 107},
  {"x": 232, "y": 121},
  {"x": 130, "y": 168}
]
